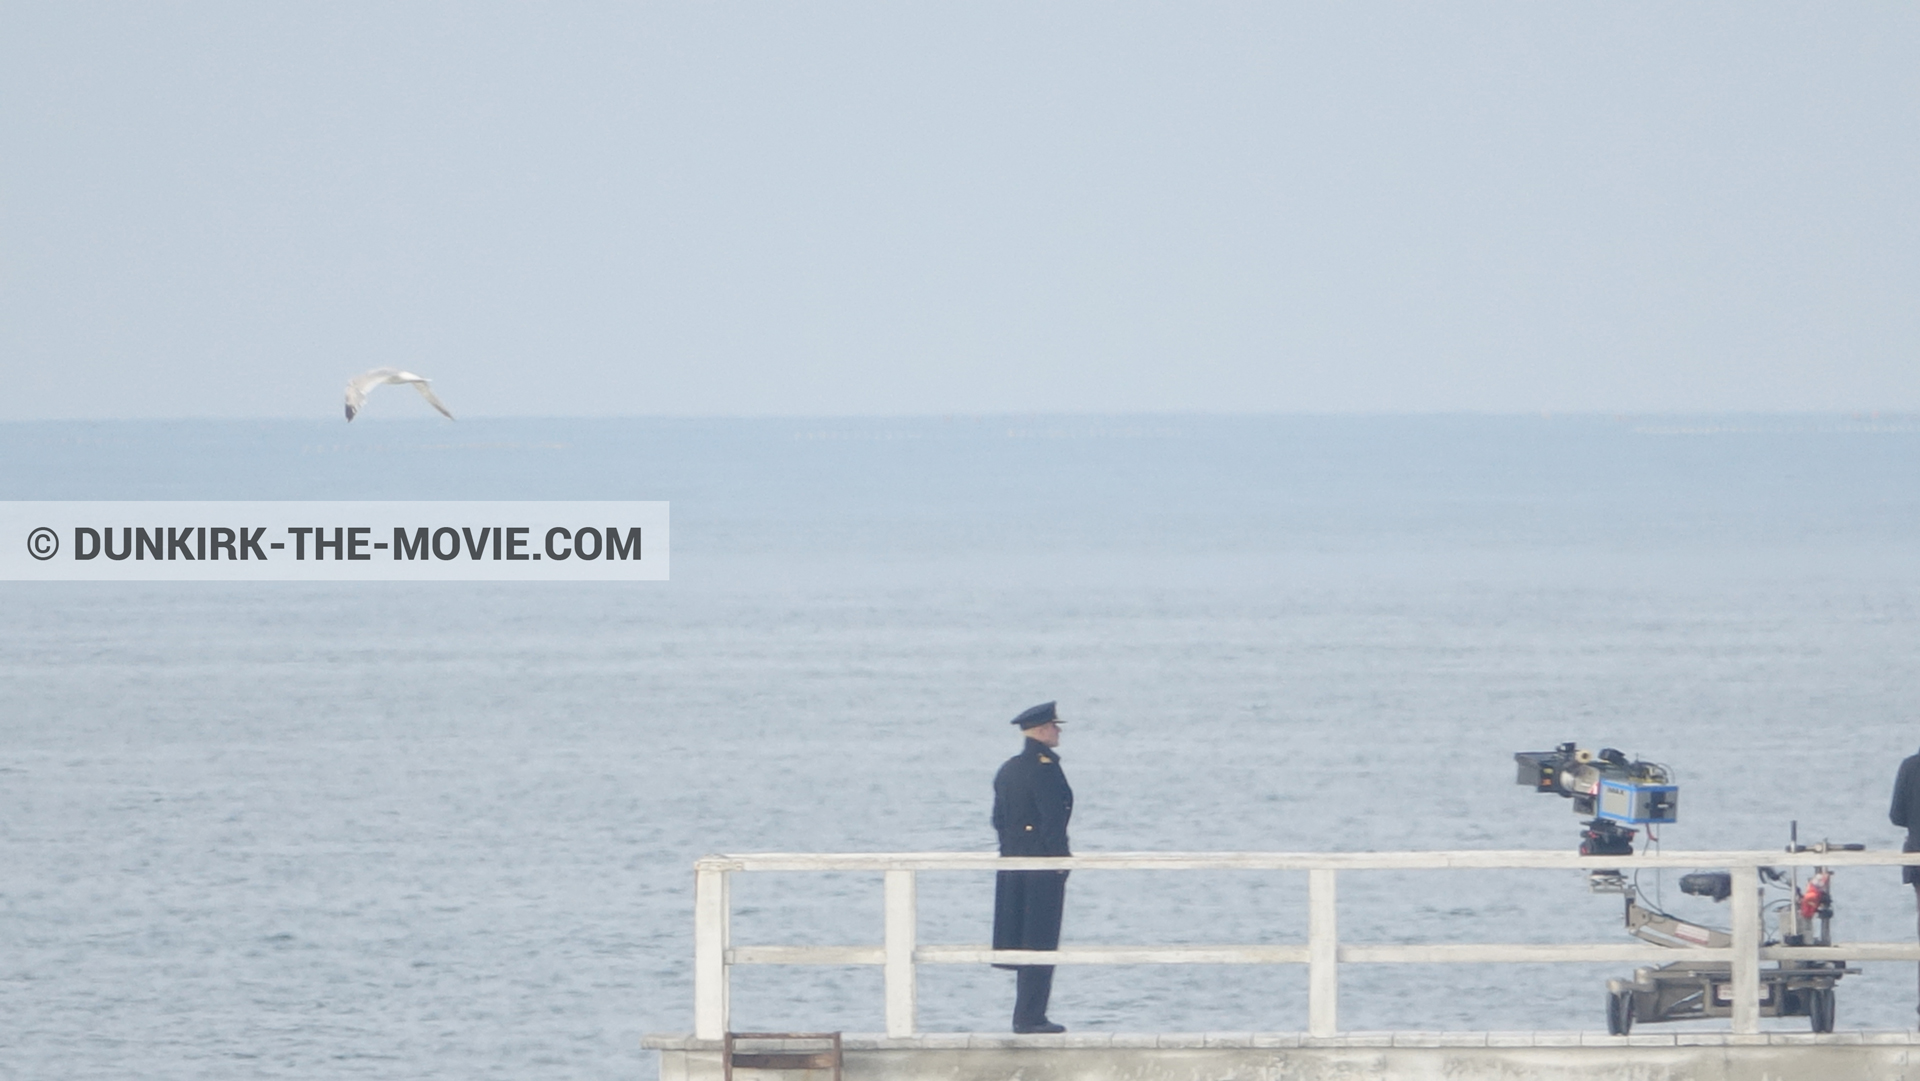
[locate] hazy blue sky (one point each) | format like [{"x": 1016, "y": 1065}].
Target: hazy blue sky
[{"x": 225, "y": 209}]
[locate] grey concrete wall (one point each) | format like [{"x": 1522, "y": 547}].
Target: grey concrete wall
[{"x": 1696, "y": 1056}]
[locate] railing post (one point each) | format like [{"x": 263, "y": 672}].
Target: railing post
[
  {"x": 711, "y": 917},
  {"x": 902, "y": 934},
  {"x": 1746, "y": 948},
  {"x": 1323, "y": 954}
]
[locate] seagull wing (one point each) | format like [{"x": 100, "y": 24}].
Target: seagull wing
[
  {"x": 358, "y": 386},
  {"x": 421, "y": 386}
]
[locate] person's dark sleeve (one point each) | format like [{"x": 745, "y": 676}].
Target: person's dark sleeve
[
  {"x": 1903, "y": 794},
  {"x": 1051, "y": 804},
  {"x": 1000, "y": 801}
]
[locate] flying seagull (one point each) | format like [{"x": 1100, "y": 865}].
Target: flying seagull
[{"x": 359, "y": 385}]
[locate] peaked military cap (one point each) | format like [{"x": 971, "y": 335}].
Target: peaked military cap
[{"x": 1036, "y": 716}]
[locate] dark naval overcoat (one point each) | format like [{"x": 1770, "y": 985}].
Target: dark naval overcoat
[
  {"x": 1906, "y": 812},
  {"x": 1031, "y": 806}
]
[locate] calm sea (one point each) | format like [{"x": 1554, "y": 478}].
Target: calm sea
[{"x": 414, "y": 831}]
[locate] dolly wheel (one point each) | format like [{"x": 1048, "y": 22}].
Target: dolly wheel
[
  {"x": 1820, "y": 1008},
  {"x": 1619, "y": 1013}
]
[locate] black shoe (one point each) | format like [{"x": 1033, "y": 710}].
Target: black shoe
[{"x": 1038, "y": 1028}]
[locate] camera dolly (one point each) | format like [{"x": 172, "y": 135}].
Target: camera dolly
[{"x": 1694, "y": 990}]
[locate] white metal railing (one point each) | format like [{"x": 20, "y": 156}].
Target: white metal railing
[{"x": 900, "y": 951}]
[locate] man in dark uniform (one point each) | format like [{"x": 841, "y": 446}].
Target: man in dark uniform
[
  {"x": 1906, "y": 812},
  {"x": 1031, "y": 805}
]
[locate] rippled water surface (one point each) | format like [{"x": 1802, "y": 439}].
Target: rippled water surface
[{"x": 446, "y": 831}]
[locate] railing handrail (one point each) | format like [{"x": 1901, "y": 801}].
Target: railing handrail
[
  {"x": 901, "y": 951},
  {"x": 1418, "y": 860}
]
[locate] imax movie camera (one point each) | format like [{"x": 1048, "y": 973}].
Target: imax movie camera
[{"x": 1616, "y": 792}]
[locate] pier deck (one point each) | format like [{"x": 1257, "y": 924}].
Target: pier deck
[{"x": 1282, "y": 1056}]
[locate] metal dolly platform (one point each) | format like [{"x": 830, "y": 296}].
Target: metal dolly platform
[{"x": 1693, "y": 990}]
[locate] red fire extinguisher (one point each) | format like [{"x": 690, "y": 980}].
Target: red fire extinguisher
[{"x": 1814, "y": 897}]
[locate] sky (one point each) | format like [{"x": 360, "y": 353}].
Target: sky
[{"x": 224, "y": 210}]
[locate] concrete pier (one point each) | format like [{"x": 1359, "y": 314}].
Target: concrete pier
[{"x": 1399, "y": 1056}]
